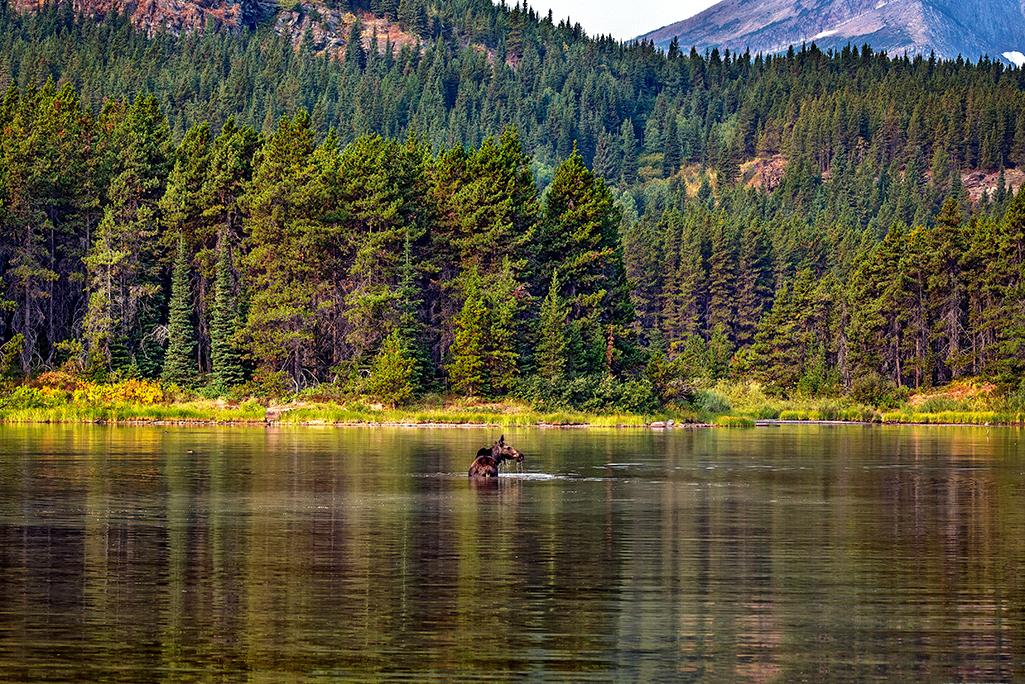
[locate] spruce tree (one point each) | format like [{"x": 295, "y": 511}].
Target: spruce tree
[
  {"x": 580, "y": 239},
  {"x": 467, "y": 369},
  {"x": 754, "y": 286},
  {"x": 605, "y": 159},
  {"x": 228, "y": 365},
  {"x": 550, "y": 358},
  {"x": 380, "y": 186},
  {"x": 498, "y": 206},
  {"x": 393, "y": 375},
  {"x": 355, "y": 54},
  {"x": 410, "y": 325},
  {"x": 292, "y": 228},
  {"x": 628, "y": 152},
  {"x": 179, "y": 359},
  {"x": 722, "y": 279}
]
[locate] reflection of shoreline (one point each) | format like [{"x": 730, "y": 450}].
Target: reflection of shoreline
[{"x": 646, "y": 427}]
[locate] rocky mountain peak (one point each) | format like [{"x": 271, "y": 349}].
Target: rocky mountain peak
[{"x": 947, "y": 28}]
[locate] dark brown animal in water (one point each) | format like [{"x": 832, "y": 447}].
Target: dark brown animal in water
[{"x": 489, "y": 459}]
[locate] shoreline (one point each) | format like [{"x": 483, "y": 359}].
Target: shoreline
[
  {"x": 657, "y": 426},
  {"x": 148, "y": 404}
]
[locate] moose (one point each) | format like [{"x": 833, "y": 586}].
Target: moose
[{"x": 489, "y": 459}]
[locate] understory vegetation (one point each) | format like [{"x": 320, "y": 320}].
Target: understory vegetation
[{"x": 60, "y": 397}]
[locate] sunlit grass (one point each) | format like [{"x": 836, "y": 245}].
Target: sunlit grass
[
  {"x": 190, "y": 412},
  {"x": 954, "y": 418},
  {"x": 734, "y": 422},
  {"x": 833, "y": 413},
  {"x": 725, "y": 404},
  {"x": 334, "y": 414},
  {"x": 499, "y": 415}
]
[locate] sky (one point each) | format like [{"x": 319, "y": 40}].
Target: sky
[{"x": 621, "y": 18}]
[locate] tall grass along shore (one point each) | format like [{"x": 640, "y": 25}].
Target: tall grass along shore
[{"x": 726, "y": 405}]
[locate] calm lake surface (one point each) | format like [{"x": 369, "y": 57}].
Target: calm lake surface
[{"x": 794, "y": 553}]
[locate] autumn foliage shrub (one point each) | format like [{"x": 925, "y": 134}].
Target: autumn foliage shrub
[
  {"x": 59, "y": 380},
  {"x": 145, "y": 392}
]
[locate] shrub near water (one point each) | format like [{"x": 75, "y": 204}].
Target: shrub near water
[
  {"x": 26, "y": 397},
  {"x": 144, "y": 392}
]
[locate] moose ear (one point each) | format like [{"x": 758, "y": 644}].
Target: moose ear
[{"x": 501, "y": 441}]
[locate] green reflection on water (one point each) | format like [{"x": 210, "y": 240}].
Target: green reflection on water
[{"x": 788, "y": 553}]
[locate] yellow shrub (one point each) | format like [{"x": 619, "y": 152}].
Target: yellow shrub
[{"x": 125, "y": 392}]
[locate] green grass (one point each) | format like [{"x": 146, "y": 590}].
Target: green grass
[
  {"x": 734, "y": 422},
  {"x": 829, "y": 413},
  {"x": 954, "y": 418},
  {"x": 324, "y": 414},
  {"x": 724, "y": 405},
  {"x": 191, "y": 412},
  {"x": 728, "y": 400},
  {"x": 336, "y": 414}
]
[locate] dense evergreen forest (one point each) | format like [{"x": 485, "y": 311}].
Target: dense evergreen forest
[{"x": 509, "y": 208}]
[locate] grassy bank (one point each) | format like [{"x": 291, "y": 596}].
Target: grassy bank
[
  {"x": 208, "y": 412},
  {"x": 963, "y": 403},
  {"x": 504, "y": 415},
  {"x": 726, "y": 405},
  {"x": 141, "y": 402}
]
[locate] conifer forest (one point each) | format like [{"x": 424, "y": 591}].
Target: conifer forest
[{"x": 504, "y": 208}]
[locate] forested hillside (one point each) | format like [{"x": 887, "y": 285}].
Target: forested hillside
[{"x": 226, "y": 206}]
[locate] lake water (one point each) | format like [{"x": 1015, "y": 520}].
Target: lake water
[{"x": 793, "y": 553}]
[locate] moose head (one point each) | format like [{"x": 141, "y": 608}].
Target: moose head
[{"x": 503, "y": 452}]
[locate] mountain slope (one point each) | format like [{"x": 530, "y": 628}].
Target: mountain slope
[
  {"x": 947, "y": 27},
  {"x": 153, "y": 16},
  {"x": 323, "y": 24}
]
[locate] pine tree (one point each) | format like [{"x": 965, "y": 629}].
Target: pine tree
[
  {"x": 355, "y": 54},
  {"x": 721, "y": 280},
  {"x": 580, "y": 239},
  {"x": 181, "y": 205},
  {"x": 684, "y": 290},
  {"x": 379, "y": 186},
  {"x": 179, "y": 359},
  {"x": 645, "y": 265},
  {"x": 467, "y": 369},
  {"x": 101, "y": 326},
  {"x": 124, "y": 260},
  {"x": 1006, "y": 279},
  {"x": 497, "y": 206},
  {"x": 945, "y": 288},
  {"x": 503, "y": 305},
  {"x": 552, "y": 347},
  {"x": 289, "y": 205},
  {"x": 787, "y": 335},
  {"x": 754, "y": 286},
  {"x": 605, "y": 162},
  {"x": 228, "y": 366},
  {"x": 410, "y": 325},
  {"x": 720, "y": 351},
  {"x": 628, "y": 152},
  {"x": 393, "y": 375},
  {"x": 413, "y": 15}
]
